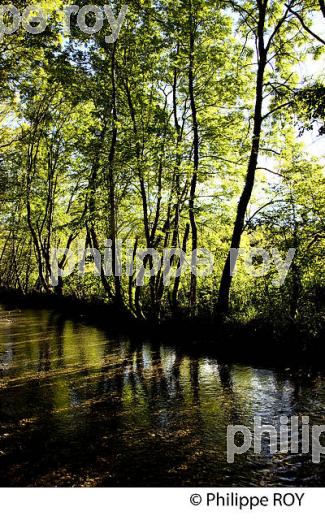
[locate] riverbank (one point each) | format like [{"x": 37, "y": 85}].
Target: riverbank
[{"x": 257, "y": 342}]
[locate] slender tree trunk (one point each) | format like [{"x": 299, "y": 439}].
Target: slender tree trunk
[
  {"x": 193, "y": 283},
  {"x": 131, "y": 275},
  {"x": 111, "y": 187},
  {"x": 226, "y": 279},
  {"x": 90, "y": 206},
  {"x": 178, "y": 278},
  {"x": 138, "y": 290},
  {"x": 38, "y": 249}
]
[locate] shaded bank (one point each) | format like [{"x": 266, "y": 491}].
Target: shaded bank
[{"x": 258, "y": 342}]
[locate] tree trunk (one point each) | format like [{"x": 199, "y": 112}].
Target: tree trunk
[
  {"x": 193, "y": 283},
  {"x": 111, "y": 189},
  {"x": 226, "y": 279}
]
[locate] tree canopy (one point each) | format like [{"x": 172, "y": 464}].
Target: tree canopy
[{"x": 187, "y": 132}]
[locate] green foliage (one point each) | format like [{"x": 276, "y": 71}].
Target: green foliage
[
  {"x": 97, "y": 143},
  {"x": 310, "y": 103}
]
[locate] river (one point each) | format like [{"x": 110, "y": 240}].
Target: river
[{"x": 82, "y": 407}]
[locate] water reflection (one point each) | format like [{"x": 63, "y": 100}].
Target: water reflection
[{"x": 81, "y": 407}]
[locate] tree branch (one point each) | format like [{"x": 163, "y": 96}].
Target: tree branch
[{"x": 297, "y": 15}]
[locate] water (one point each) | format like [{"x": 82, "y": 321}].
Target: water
[{"x": 82, "y": 407}]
